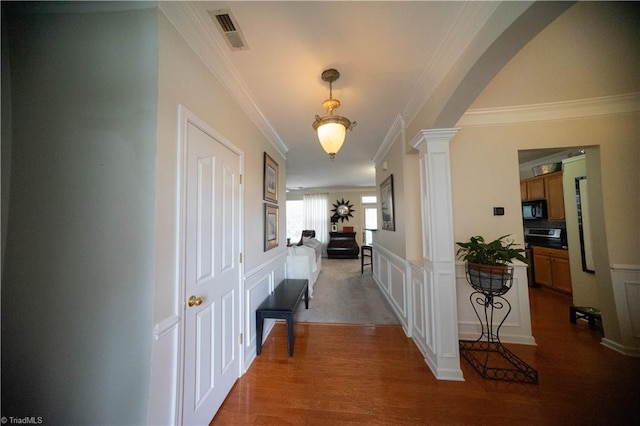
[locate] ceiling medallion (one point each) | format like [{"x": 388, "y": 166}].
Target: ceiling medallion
[
  {"x": 342, "y": 211},
  {"x": 331, "y": 128}
]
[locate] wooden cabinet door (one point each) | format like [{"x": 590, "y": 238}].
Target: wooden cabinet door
[
  {"x": 542, "y": 270},
  {"x": 535, "y": 189},
  {"x": 523, "y": 191},
  {"x": 561, "y": 275},
  {"x": 555, "y": 197}
]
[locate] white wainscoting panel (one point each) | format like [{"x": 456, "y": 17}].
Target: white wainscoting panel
[
  {"x": 398, "y": 289},
  {"x": 517, "y": 326},
  {"x": 422, "y": 316},
  {"x": 626, "y": 293},
  {"x": 163, "y": 400},
  {"x": 258, "y": 284},
  {"x": 418, "y": 297},
  {"x": 391, "y": 277}
]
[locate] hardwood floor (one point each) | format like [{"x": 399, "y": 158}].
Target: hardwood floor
[{"x": 375, "y": 375}]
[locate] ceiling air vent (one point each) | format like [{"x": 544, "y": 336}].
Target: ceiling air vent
[{"x": 227, "y": 24}]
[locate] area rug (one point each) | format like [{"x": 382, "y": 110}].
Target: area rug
[{"x": 343, "y": 295}]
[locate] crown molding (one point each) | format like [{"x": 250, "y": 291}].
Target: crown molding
[
  {"x": 461, "y": 33},
  {"x": 198, "y": 36},
  {"x": 465, "y": 27},
  {"x": 552, "y": 111},
  {"x": 387, "y": 143}
]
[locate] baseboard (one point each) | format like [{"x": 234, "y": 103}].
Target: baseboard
[
  {"x": 504, "y": 338},
  {"x": 625, "y": 350},
  {"x": 444, "y": 373}
]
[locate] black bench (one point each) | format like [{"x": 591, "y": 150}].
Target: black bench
[
  {"x": 585, "y": 312},
  {"x": 281, "y": 304}
]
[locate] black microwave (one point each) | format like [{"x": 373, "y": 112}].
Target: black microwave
[{"x": 534, "y": 210}]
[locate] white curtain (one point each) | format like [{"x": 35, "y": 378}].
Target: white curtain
[{"x": 316, "y": 215}]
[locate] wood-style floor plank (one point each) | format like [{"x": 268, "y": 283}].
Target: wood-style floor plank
[{"x": 375, "y": 375}]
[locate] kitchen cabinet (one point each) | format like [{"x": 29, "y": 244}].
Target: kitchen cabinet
[
  {"x": 546, "y": 187},
  {"x": 551, "y": 268},
  {"x": 555, "y": 196},
  {"x": 532, "y": 189}
]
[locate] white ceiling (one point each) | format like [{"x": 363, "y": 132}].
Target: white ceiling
[{"x": 388, "y": 54}]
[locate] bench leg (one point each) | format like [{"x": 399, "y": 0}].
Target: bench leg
[
  {"x": 259, "y": 325},
  {"x": 306, "y": 297},
  {"x": 572, "y": 315},
  {"x": 290, "y": 334}
]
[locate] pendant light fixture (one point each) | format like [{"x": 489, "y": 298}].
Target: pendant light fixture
[{"x": 331, "y": 128}]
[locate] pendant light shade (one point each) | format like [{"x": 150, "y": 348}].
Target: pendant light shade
[
  {"x": 331, "y": 137},
  {"x": 331, "y": 128}
]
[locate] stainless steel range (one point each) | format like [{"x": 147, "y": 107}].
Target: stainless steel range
[
  {"x": 545, "y": 237},
  {"x": 551, "y": 237}
]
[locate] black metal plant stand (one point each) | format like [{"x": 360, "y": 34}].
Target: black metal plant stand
[{"x": 486, "y": 354}]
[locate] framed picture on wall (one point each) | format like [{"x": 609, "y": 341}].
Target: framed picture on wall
[
  {"x": 386, "y": 199},
  {"x": 270, "y": 192},
  {"x": 270, "y": 227}
]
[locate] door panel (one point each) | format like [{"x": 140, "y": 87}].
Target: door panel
[
  {"x": 212, "y": 275},
  {"x": 205, "y": 353},
  {"x": 228, "y": 340},
  {"x": 204, "y": 226}
]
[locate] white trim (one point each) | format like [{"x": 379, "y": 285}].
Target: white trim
[
  {"x": 433, "y": 135},
  {"x": 572, "y": 159},
  {"x": 625, "y": 350},
  {"x": 384, "y": 262},
  {"x": 279, "y": 260},
  {"x": 185, "y": 116},
  {"x": 619, "y": 267},
  {"x": 463, "y": 31},
  {"x": 396, "y": 128},
  {"x": 564, "y": 110},
  {"x": 447, "y": 54},
  {"x": 186, "y": 20},
  {"x": 165, "y": 326}
]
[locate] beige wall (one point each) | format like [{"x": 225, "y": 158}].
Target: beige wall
[
  {"x": 485, "y": 174},
  {"x": 394, "y": 241},
  {"x": 412, "y": 208},
  {"x": 184, "y": 79},
  {"x": 587, "y": 52},
  {"x": 590, "y": 51}
]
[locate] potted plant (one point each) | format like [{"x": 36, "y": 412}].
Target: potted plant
[{"x": 487, "y": 263}]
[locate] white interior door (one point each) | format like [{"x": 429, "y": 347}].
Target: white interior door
[{"x": 212, "y": 275}]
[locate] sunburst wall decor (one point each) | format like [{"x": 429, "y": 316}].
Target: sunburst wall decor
[{"x": 342, "y": 211}]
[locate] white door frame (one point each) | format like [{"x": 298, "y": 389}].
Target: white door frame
[{"x": 186, "y": 117}]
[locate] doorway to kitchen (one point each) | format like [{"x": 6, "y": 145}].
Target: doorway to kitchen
[{"x": 557, "y": 224}]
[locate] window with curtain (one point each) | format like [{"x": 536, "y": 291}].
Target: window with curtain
[
  {"x": 316, "y": 215},
  {"x": 295, "y": 221}
]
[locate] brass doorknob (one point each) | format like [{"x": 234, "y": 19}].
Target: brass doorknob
[{"x": 194, "y": 301}]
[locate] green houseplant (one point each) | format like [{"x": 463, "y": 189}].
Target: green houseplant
[{"x": 487, "y": 263}]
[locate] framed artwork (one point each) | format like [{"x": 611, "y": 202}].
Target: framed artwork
[
  {"x": 270, "y": 192},
  {"x": 386, "y": 198},
  {"x": 334, "y": 227},
  {"x": 270, "y": 227}
]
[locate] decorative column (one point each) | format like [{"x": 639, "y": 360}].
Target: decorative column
[{"x": 443, "y": 356}]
